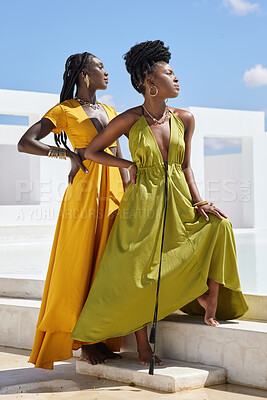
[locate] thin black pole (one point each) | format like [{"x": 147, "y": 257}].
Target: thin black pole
[{"x": 152, "y": 337}]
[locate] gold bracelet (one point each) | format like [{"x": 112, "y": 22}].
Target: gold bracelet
[
  {"x": 62, "y": 154},
  {"x": 130, "y": 166},
  {"x": 201, "y": 203},
  {"x": 57, "y": 152}
]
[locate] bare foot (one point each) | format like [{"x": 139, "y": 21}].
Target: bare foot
[
  {"x": 145, "y": 356},
  {"x": 107, "y": 352},
  {"x": 209, "y": 303},
  {"x": 93, "y": 355}
]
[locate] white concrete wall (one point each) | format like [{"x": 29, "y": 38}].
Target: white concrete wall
[
  {"x": 46, "y": 179},
  {"x": 36, "y": 190},
  {"x": 249, "y": 125},
  {"x": 231, "y": 187}
]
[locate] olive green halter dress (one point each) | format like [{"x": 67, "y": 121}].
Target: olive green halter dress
[{"x": 122, "y": 297}]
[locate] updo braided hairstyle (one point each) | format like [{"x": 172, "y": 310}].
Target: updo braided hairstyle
[
  {"x": 140, "y": 60},
  {"x": 73, "y": 67}
]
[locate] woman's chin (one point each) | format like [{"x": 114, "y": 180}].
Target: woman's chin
[
  {"x": 173, "y": 95},
  {"x": 103, "y": 86}
]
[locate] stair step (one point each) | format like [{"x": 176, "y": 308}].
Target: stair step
[
  {"x": 172, "y": 377},
  {"x": 238, "y": 346},
  {"x": 18, "y": 321},
  {"x": 21, "y": 288},
  {"x": 32, "y": 288}
]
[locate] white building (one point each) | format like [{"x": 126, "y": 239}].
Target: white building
[{"x": 32, "y": 187}]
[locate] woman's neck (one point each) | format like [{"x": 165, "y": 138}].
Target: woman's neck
[
  {"x": 156, "y": 107},
  {"x": 87, "y": 95}
]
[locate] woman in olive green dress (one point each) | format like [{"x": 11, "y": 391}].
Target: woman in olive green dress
[{"x": 163, "y": 226}]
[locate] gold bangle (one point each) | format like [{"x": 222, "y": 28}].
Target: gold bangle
[
  {"x": 130, "y": 166},
  {"x": 202, "y": 203},
  {"x": 62, "y": 154},
  {"x": 199, "y": 203},
  {"x": 57, "y": 152}
]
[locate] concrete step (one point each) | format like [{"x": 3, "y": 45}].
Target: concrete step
[
  {"x": 18, "y": 321},
  {"x": 26, "y": 288},
  {"x": 238, "y": 346},
  {"x": 172, "y": 377},
  {"x": 257, "y": 307},
  {"x": 21, "y": 288}
]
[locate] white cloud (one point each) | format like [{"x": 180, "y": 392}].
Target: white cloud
[
  {"x": 108, "y": 100},
  {"x": 217, "y": 144},
  {"x": 256, "y": 76},
  {"x": 241, "y": 7}
]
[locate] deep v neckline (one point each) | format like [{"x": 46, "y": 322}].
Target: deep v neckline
[
  {"x": 154, "y": 139},
  {"x": 84, "y": 112}
]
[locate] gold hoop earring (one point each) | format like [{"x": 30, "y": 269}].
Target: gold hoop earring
[
  {"x": 153, "y": 95},
  {"x": 87, "y": 80}
]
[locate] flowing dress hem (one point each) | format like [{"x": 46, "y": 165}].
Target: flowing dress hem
[{"x": 170, "y": 311}]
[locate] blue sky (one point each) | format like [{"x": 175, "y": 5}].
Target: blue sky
[
  {"x": 211, "y": 46},
  {"x": 218, "y": 46}
]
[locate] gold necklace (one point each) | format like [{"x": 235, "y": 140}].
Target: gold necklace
[
  {"x": 87, "y": 103},
  {"x": 162, "y": 119}
]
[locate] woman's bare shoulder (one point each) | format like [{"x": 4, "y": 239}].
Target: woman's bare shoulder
[
  {"x": 132, "y": 113},
  {"x": 128, "y": 118},
  {"x": 185, "y": 116}
]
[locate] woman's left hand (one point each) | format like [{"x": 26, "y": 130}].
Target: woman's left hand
[
  {"x": 133, "y": 172},
  {"x": 76, "y": 164},
  {"x": 206, "y": 208}
]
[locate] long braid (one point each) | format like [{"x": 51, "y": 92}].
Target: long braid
[{"x": 73, "y": 66}]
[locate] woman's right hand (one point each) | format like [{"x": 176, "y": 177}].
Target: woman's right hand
[{"x": 76, "y": 164}]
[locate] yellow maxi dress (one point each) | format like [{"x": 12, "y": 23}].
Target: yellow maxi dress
[
  {"x": 122, "y": 297},
  {"x": 87, "y": 213}
]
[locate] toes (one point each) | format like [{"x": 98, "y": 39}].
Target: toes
[
  {"x": 107, "y": 352},
  {"x": 158, "y": 361},
  {"x": 211, "y": 322},
  {"x": 144, "y": 362},
  {"x": 102, "y": 360}
]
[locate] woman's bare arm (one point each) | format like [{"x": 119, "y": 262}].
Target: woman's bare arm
[
  {"x": 30, "y": 142},
  {"x": 116, "y": 128}
]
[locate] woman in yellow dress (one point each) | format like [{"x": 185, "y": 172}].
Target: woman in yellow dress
[
  {"x": 88, "y": 209},
  {"x": 168, "y": 249}
]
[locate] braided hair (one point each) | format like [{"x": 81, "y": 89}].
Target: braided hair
[
  {"x": 73, "y": 67},
  {"x": 140, "y": 60}
]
